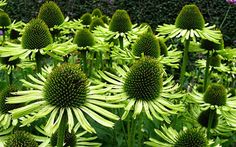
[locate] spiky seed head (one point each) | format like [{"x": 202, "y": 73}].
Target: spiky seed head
[
  {"x": 190, "y": 17},
  {"x": 105, "y": 19},
  {"x": 209, "y": 45},
  {"x": 36, "y": 35},
  {"x": 51, "y": 14},
  {"x": 204, "y": 117},
  {"x": 69, "y": 140},
  {"x": 97, "y": 12},
  {"x": 215, "y": 94},
  {"x": 163, "y": 47},
  {"x": 144, "y": 81},
  {"x": 84, "y": 38},
  {"x": 96, "y": 22},
  {"x": 4, "y": 19},
  {"x": 120, "y": 22},
  {"x": 14, "y": 34},
  {"x": 147, "y": 44},
  {"x": 86, "y": 19},
  {"x": 5, "y": 61},
  {"x": 191, "y": 138},
  {"x": 21, "y": 139},
  {"x": 4, "y": 107},
  {"x": 215, "y": 60},
  {"x": 66, "y": 86}
]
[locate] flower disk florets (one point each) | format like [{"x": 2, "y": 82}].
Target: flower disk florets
[
  {"x": 215, "y": 95},
  {"x": 84, "y": 38},
  {"x": 190, "y": 17},
  {"x": 86, "y": 19},
  {"x": 191, "y": 138},
  {"x": 51, "y": 14},
  {"x": 21, "y": 139},
  {"x": 144, "y": 81},
  {"x": 66, "y": 86},
  {"x": 120, "y": 22},
  {"x": 147, "y": 44},
  {"x": 4, "y": 19},
  {"x": 36, "y": 35}
]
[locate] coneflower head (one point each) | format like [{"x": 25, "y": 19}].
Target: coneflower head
[
  {"x": 84, "y": 38},
  {"x": 4, "y": 19},
  {"x": 97, "y": 12},
  {"x": 86, "y": 19},
  {"x": 215, "y": 94},
  {"x": 204, "y": 117}
]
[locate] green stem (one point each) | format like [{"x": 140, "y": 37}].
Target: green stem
[
  {"x": 100, "y": 60},
  {"x": 84, "y": 58},
  {"x": 210, "y": 120},
  {"x": 206, "y": 76},
  {"x": 91, "y": 64},
  {"x": 226, "y": 15},
  {"x": 38, "y": 58},
  {"x": 131, "y": 126},
  {"x": 110, "y": 58},
  {"x": 185, "y": 62},
  {"x": 121, "y": 40},
  {"x": 61, "y": 131},
  {"x": 140, "y": 134}
]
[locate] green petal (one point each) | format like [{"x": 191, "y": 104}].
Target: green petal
[
  {"x": 102, "y": 111},
  {"x": 82, "y": 120},
  {"x": 98, "y": 118},
  {"x": 19, "y": 112}
]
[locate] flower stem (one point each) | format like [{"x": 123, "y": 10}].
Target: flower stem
[
  {"x": 84, "y": 58},
  {"x": 206, "y": 76},
  {"x": 121, "y": 40},
  {"x": 140, "y": 134},
  {"x": 61, "y": 131},
  {"x": 210, "y": 120},
  {"x": 131, "y": 131},
  {"x": 10, "y": 76},
  {"x": 38, "y": 58},
  {"x": 185, "y": 62}
]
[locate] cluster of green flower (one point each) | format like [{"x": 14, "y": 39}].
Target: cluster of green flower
[{"x": 97, "y": 70}]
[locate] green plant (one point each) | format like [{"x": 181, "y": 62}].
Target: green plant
[
  {"x": 86, "y": 18},
  {"x": 51, "y": 14}
]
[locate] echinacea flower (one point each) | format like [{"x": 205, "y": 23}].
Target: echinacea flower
[
  {"x": 22, "y": 139},
  {"x": 216, "y": 98},
  {"x": 73, "y": 139},
  {"x": 63, "y": 92},
  {"x": 190, "y": 24},
  {"x": 186, "y": 138},
  {"x": 143, "y": 89}
]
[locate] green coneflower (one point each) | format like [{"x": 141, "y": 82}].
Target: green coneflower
[
  {"x": 187, "y": 138},
  {"x": 200, "y": 118},
  {"x": 21, "y": 139},
  {"x": 209, "y": 45},
  {"x": 216, "y": 98},
  {"x": 95, "y": 23},
  {"x": 84, "y": 38},
  {"x": 203, "y": 118},
  {"x": 120, "y": 22},
  {"x": 189, "y": 25},
  {"x": 36, "y": 35},
  {"x": 86, "y": 19},
  {"x": 105, "y": 19},
  {"x": 148, "y": 45},
  {"x": 215, "y": 94},
  {"x": 215, "y": 60},
  {"x": 51, "y": 14},
  {"x": 97, "y": 12},
  {"x": 63, "y": 92},
  {"x": 4, "y": 19},
  {"x": 5, "y": 117},
  {"x": 143, "y": 88}
]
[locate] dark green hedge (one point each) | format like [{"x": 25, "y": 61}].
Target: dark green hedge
[{"x": 154, "y": 12}]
